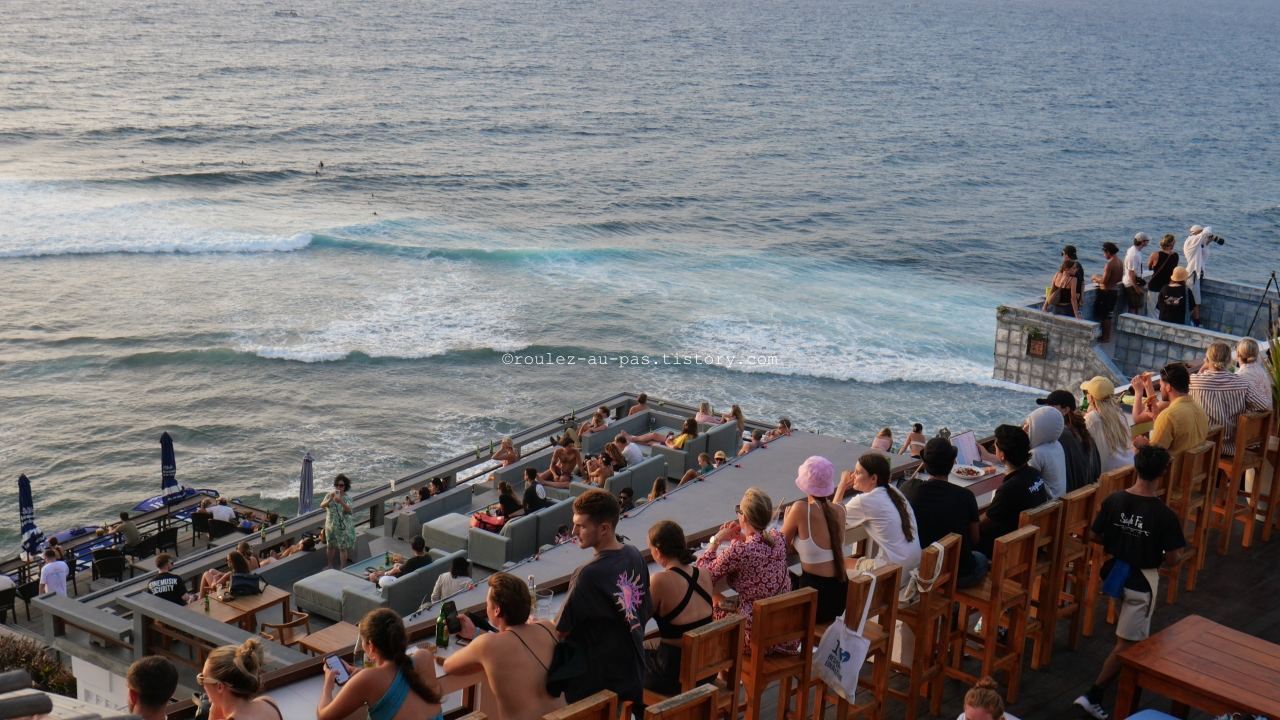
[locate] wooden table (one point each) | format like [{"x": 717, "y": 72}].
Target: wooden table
[
  {"x": 243, "y": 610},
  {"x": 333, "y": 639},
  {"x": 1200, "y": 664}
]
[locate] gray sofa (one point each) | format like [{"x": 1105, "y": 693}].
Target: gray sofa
[
  {"x": 724, "y": 437},
  {"x": 284, "y": 573},
  {"x": 637, "y": 477},
  {"x": 594, "y": 443},
  {"x": 517, "y": 541},
  {"x": 551, "y": 518},
  {"x": 322, "y": 593},
  {"x": 404, "y": 595},
  {"x": 514, "y": 473},
  {"x": 447, "y": 532},
  {"x": 679, "y": 461},
  {"x": 408, "y": 521}
]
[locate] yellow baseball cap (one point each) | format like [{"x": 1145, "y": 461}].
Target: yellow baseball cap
[{"x": 1099, "y": 387}]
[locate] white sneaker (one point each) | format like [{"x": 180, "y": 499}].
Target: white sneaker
[{"x": 1094, "y": 711}]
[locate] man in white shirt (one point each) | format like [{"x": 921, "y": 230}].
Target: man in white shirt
[
  {"x": 1133, "y": 283},
  {"x": 630, "y": 451},
  {"x": 6, "y": 582},
  {"x": 1196, "y": 250},
  {"x": 222, "y": 511},
  {"x": 53, "y": 576}
]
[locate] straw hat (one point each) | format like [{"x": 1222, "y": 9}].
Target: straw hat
[
  {"x": 1180, "y": 274},
  {"x": 817, "y": 477}
]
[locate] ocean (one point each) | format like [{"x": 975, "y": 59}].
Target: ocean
[{"x": 834, "y": 194}]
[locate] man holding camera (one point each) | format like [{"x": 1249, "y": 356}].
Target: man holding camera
[
  {"x": 1134, "y": 284},
  {"x": 1196, "y": 250}
]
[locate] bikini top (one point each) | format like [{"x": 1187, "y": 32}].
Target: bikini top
[
  {"x": 668, "y": 630},
  {"x": 806, "y": 548}
]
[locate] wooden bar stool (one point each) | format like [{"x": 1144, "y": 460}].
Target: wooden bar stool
[
  {"x": 1046, "y": 578},
  {"x": 601, "y": 706},
  {"x": 1191, "y": 507},
  {"x": 1253, "y": 430},
  {"x": 1108, "y": 483},
  {"x": 1006, "y": 589},
  {"x": 708, "y": 650},
  {"x": 781, "y": 619},
  {"x": 884, "y": 608},
  {"x": 929, "y": 620},
  {"x": 1078, "y": 510},
  {"x": 701, "y": 703}
]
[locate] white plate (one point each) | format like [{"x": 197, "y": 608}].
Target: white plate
[{"x": 981, "y": 473}]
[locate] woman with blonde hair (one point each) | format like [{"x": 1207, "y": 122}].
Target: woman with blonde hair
[
  {"x": 1107, "y": 425},
  {"x": 507, "y": 452},
  {"x": 232, "y": 677},
  {"x": 883, "y": 441},
  {"x": 735, "y": 414},
  {"x": 752, "y": 557},
  {"x": 616, "y": 458},
  {"x": 396, "y": 688},
  {"x": 705, "y": 415},
  {"x": 983, "y": 702}
]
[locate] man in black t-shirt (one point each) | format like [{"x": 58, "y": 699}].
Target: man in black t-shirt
[
  {"x": 1139, "y": 533},
  {"x": 420, "y": 559},
  {"x": 166, "y": 585},
  {"x": 607, "y": 606},
  {"x": 535, "y": 496},
  {"x": 1023, "y": 488},
  {"x": 942, "y": 508}
]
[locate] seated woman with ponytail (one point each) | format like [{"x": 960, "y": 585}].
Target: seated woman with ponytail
[
  {"x": 885, "y": 513},
  {"x": 681, "y": 602},
  {"x": 394, "y": 689},
  {"x": 818, "y": 538},
  {"x": 232, "y": 676}
]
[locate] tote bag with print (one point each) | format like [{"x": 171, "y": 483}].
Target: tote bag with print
[{"x": 840, "y": 654}]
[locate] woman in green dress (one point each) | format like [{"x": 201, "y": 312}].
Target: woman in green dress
[{"x": 339, "y": 530}]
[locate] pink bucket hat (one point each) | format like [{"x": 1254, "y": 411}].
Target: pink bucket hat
[{"x": 817, "y": 477}]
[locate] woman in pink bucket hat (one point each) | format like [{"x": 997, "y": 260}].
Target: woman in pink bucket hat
[{"x": 818, "y": 537}]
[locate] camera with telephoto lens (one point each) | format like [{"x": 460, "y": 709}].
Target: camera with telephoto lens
[{"x": 1216, "y": 239}]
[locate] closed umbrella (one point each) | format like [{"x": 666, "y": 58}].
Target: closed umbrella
[
  {"x": 169, "y": 487},
  {"x": 304, "y": 487},
  {"x": 32, "y": 538}
]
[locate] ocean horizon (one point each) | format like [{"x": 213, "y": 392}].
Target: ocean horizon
[{"x": 844, "y": 191}]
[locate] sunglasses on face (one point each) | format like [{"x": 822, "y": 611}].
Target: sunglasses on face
[
  {"x": 202, "y": 681},
  {"x": 737, "y": 509}
]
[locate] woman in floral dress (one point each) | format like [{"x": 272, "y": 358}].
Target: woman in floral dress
[
  {"x": 339, "y": 530},
  {"x": 753, "y": 558}
]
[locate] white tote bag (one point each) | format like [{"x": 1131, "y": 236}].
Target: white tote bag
[
  {"x": 904, "y": 640},
  {"x": 842, "y": 651}
]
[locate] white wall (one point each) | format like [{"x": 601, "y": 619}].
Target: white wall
[{"x": 100, "y": 687}]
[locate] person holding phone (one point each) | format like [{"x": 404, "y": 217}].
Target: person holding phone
[
  {"x": 396, "y": 688},
  {"x": 515, "y": 658},
  {"x": 339, "y": 529}
]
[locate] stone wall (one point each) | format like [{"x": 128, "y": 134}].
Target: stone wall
[
  {"x": 1072, "y": 355},
  {"x": 1230, "y": 307},
  {"x": 1146, "y": 344}
]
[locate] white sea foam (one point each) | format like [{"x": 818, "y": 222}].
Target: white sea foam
[{"x": 72, "y": 219}]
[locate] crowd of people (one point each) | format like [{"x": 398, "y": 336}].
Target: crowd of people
[{"x": 1156, "y": 287}]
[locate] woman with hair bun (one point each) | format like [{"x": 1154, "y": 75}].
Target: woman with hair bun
[
  {"x": 232, "y": 676},
  {"x": 983, "y": 702},
  {"x": 681, "y": 602},
  {"x": 395, "y": 688}
]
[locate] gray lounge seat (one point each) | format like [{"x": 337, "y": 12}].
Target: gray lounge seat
[
  {"x": 286, "y": 572},
  {"x": 679, "y": 461},
  {"x": 517, "y": 540},
  {"x": 322, "y": 593},
  {"x": 593, "y": 443},
  {"x": 408, "y": 521},
  {"x": 551, "y": 518},
  {"x": 514, "y": 473},
  {"x": 404, "y": 595},
  {"x": 449, "y": 532},
  {"x": 726, "y": 438},
  {"x": 643, "y": 475}
]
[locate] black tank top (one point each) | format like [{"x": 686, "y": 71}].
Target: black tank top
[{"x": 668, "y": 630}]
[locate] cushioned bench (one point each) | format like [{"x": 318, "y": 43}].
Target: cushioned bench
[
  {"x": 593, "y": 443},
  {"x": 517, "y": 540},
  {"x": 449, "y": 532},
  {"x": 551, "y": 518},
  {"x": 726, "y": 438},
  {"x": 637, "y": 477},
  {"x": 680, "y": 461},
  {"x": 405, "y": 595},
  {"x": 322, "y": 593},
  {"x": 407, "y": 522}
]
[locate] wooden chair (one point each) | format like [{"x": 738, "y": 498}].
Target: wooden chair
[
  {"x": 1006, "y": 589},
  {"x": 709, "y": 650},
  {"x": 884, "y": 608},
  {"x": 700, "y": 703},
  {"x": 290, "y": 632},
  {"x": 929, "y": 620},
  {"x": 1046, "y": 578},
  {"x": 1078, "y": 510},
  {"x": 1191, "y": 507},
  {"x": 1253, "y": 434},
  {"x": 601, "y": 706},
  {"x": 1108, "y": 483},
  {"x": 776, "y": 620}
]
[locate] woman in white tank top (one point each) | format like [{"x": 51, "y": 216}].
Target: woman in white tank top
[{"x": 812, "y": 535}]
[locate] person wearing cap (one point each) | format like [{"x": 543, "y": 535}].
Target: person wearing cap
[
  {"x": 1021, "y": 490},
  {"x": 1069, "y": 253},
  {"x": 704, "y": 467},
  {"x": 719, "y": 459},
  {"x": 1161, "y": 265},
  {"x": 1134, "y": 284},
  {"x": 1074, "y": 439},
  {"x": 1196, "y": 249},
  {"x": 818, "y": 537},
  {"x": 1183, "y": 424},
  {"x": 1175, "y": 298},
  {"x": 1104, "y": 305},
  {"x": 1107, "y": 425},
  {"x": 942, "y": 508}
]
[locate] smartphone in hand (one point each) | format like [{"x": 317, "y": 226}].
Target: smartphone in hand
[{"x": 335, "y": 664}]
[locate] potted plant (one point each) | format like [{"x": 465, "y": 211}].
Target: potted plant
[{"x": 1037, "y": 343}]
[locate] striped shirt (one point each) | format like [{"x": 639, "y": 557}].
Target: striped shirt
[
  {"x": 1257, "y": 376},
  {"x": 1225, "y": 397}
]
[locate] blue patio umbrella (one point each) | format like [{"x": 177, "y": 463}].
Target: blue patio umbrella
[
  {"x": 169, "y": 487},
  {"x": 305, "y": 486},
  {"x": 32, "y": 538}
]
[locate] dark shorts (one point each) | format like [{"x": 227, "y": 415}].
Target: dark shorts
[
  {"x": 662, "y": 670},
  {"x": 1135, "y": 297},
  {"x": 1105, "y": 304},
  {"x": 1064, "y": 310},
  {"x": 832, "y": 593}
]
